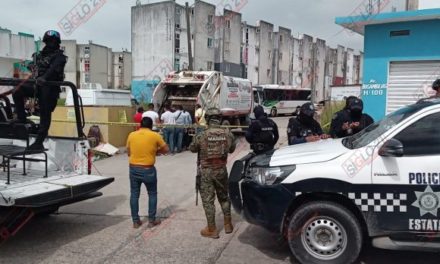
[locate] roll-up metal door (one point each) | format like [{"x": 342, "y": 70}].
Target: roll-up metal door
[{"x": 410, "y": 81}]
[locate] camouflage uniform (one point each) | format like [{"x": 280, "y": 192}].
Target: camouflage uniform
[{"x": 213, "y": 146}]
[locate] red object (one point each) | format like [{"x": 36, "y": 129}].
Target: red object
[{"x": 137, "y": 119}]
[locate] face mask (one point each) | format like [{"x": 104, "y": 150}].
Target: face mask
[
  {"x": 305, "y": 119},
  {"x": 356, "y": 114}
]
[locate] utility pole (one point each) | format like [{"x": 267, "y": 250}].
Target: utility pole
[{"x": 188, "y": 33}]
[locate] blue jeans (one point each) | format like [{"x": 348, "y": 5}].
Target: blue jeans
[
  {"x": 139, "y": 176},
  {"x": 179, "y": 138},
  {"x": 168, "y": 133}
]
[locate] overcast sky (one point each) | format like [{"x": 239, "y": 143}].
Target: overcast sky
[{"x": 110, "y": 25}]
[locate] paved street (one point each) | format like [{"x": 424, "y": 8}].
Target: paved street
[{"x": 99, "y": 230}]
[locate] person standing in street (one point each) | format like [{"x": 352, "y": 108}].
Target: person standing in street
[
  {"x": 138, "y": 117},
  {"x": 262, "y": 133},
  {"x": 200, "y": 117},
  {"x": 180, "y": 129},
  {"x": 169, "y": 120},
  {"x": 142, "y": 147},
  {"x": 304, "y": 128},
  {"x": 213, "y": 146},
  {"x": 153, "y": 115},
  {"x": 49, "y": 66}
]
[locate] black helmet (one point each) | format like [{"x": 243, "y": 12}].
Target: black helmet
[
  {"x": 52, "y": 34},
  {"x": 356, "y": 105},
  {"x": 436, "y": 84},
  {"x": 308, "y": 110},
  {"x": 349, "y": 99},
  {"x": 258, "y": 111}
]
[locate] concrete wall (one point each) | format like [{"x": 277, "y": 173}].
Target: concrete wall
[
  {"x": 265, "y": 44},
  {"x": 153, "y": 35},
  {"x": 121, "y": 72},
  {"x": 319, "y": 58},
  {"x": 306, "y": 52},
  {"x": 340, "y": 63},
  {"x": 284, "y": 56},
  {"x": 228, "y": 38},
  {"x": 71, "y": 68},
  {"x": 204, "y": 17},
  {"x": 14, "y": 48},
  {"x": 296, "y": 62},
  {"x": 349, "y": 67},
  {"x": 100, "y": 63},
  {"x": 251, "y": 52}
]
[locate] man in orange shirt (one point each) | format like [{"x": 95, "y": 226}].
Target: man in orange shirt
[{"x": 142, "y": 147}]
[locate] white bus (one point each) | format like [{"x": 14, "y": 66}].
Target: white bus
[{"x": 281, "y": 99}]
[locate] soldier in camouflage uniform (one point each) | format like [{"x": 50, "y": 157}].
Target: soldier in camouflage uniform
[{"x": 213, "y": 146}]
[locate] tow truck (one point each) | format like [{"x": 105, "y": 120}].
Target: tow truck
[
  {"x": 37, "y": 182},
  {"x": 326, "y": 198}
]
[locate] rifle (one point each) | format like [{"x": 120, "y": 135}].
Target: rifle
[{"x": 198, "y": 179}]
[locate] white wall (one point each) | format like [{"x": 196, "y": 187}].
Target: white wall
[
  {"x": 152, "y": 30},
  {"x": 349, "y": 67},
  {"x": 319, "y": 69},
  {"x": 296, "y": 62},
  {"x": 284, "y": 56},
  {"x": 202, "y": 31},
  {"x": 252, "y": 52},
  {"x": 265, "y": 40}
]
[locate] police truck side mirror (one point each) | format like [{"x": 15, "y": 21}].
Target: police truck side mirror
[{"x": 391, "y": 148}]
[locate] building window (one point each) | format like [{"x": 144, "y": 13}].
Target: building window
[
  {"x": 210, "y": 19},
  {"x": 177, "y": 36},
  {"x": 281, "y": 56},
  {"x": 177, "y": 50},
  {"x": 281, "y": 38},
  {"x": 210, "y": 43},
  {"x": 177, "y": 64},
  {"x": 178, "y": 26},
  {"x": 268, "y": 73},
  {"x": 227, "y": 68},
  {"x": 270, "y": 35},
  {"x": 209, "y": 66},
  {"x": 228, "y": 23}
]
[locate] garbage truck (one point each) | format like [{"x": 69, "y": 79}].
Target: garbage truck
[{"x": 233, "y": 96}]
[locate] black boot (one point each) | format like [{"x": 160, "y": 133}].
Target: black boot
[{"x": 36, "y": 146}]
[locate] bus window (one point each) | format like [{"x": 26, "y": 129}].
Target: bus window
[{"x": 256, "y": 97}]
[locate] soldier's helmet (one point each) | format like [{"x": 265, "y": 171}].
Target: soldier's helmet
[
  {"x": 213, "y": 114},
  {"x": 52, "y": 34}
]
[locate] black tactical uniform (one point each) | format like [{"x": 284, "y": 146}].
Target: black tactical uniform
[
  {"x": 262, "y": 133},
  {"x": 353, "y": 114},
  {"x": 339, "y": 118},
  {"x": 49, "y": 67},
  {"x": 302, "y": 126}
]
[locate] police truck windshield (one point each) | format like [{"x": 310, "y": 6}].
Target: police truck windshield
[{"x": 375, "y": 130}]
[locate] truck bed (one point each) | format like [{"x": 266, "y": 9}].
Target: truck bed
[{"x": 32, "y": 190}]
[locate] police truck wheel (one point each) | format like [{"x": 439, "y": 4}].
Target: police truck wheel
[
  {"x": 324, "y": 232},
  {"x": 273, "y": 112}
]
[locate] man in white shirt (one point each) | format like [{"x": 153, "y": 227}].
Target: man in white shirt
[
  {"x": 153, "y": 115},
  {"x": 168, "y": 118}
]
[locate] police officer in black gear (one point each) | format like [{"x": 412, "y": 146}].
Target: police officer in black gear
[
  {"x": 304, "y": 128},
  {"x": 49, "y": 66},
  {"x": 340, "y": 118},
  {"x": 355, "y": 120},
  {"x": 262, "y": 133}
]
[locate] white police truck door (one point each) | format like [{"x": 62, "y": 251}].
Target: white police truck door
[{"x": 410, "y": 199}]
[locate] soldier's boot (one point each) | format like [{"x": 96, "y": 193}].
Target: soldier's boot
[
  {"x": 228, "y": 225},
  {"x": 210, "y": 231}
]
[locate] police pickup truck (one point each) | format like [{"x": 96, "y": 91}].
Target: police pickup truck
[
  {"x": 36, "y": 182},
  {"x": 326, "y": 197}
]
